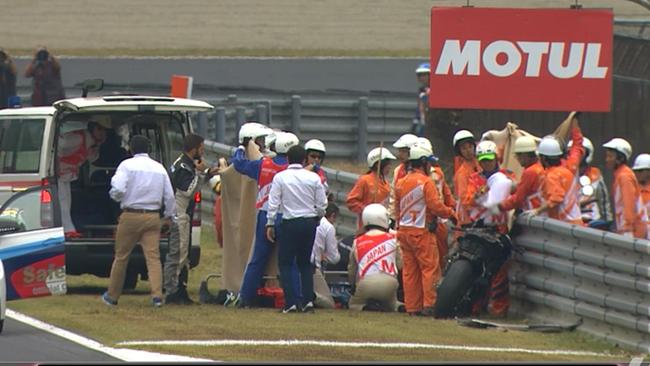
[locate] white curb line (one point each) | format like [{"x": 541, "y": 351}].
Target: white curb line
[
  {"x": 123, "y": 354},
  {"x": 296, "y": 342}
]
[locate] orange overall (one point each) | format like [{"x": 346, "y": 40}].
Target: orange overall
[
  {"x": 442, "y": 232},
  {"x": 461, "y": 177},
  {"x": 629, "y": 211},
  {"x": 527, "y": 196},
  {"x": 368, "y": 189},
  {"x": 497, "y": 298},
  {"x": 560, "y": 192},
  {"x": 418, "y": 203}
]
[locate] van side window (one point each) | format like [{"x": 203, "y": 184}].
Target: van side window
[
  {"x": 20, "y": 145},
  {"x": 176, "y": 135}
]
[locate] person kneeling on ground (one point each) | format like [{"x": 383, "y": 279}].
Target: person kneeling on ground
[
  {"x": 373, "y": 264},
  {"x": 325, "y": 251}
]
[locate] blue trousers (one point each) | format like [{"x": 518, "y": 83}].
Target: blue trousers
[
  {"x": 254, "y": 273},
  {"x": 296, "y": 239}
]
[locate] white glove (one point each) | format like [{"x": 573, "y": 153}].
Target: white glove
[
  {"x": 241, "y": 147},
  {"x": 494, "y": 208}
]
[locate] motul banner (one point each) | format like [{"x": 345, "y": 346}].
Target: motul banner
[{"x": 531, "y": 59}]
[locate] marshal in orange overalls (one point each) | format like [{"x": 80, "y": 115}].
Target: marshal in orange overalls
[
  {"x": 368, "y": 189},
  {"x": 630, "y": 213},
  {"x": 417, "y": 203}
]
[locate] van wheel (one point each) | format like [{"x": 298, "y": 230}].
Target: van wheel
[{"x": 131, "y": 281}]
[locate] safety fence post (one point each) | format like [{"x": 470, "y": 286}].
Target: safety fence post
[
  {"x": 260, "y": 111},
  {"x": 202, "y": 124},
  {"x": 220, "y": 133},
  {"x": 362, "y": 130},
  {"x": 240, "y": 118},
  {"x": 296, "y": 110}
]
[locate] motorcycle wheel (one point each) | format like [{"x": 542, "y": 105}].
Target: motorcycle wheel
[{"x": 454, "y": 286}]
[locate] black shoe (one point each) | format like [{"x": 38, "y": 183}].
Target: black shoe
[
  {"x": 289, "y": 309},
  {"x": 428, "y": 311},
  {"x": 308, "y": 308},
  {"x": 180, "y": 297}
]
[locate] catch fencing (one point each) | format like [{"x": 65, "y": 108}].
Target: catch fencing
[{"x": 564, "y": 271}]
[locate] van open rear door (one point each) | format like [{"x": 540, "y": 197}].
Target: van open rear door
[{"x": 31, "y": 248}]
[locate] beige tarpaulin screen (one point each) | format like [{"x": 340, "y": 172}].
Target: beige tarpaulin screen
[
  {"x": 505, "y": 140},
  {"x": 238, "y": 193}
]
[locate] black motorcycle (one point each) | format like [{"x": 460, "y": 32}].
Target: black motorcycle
[{"x": 471, "y": 264}]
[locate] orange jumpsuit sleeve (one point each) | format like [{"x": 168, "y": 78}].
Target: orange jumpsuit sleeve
[
  {"x": 434, "y": 204},
  {"x": 467, "y": 199},
  {"x": 356, "y": 199},
  {"x": 460, "y": 183},
  {"x": 629, "y": 198},
  {"x": 576, "y": 152},
  {"x": 524, "y": 189},
  {"x": 554, "y": 191},
  {"x": 447, "y": 196}
]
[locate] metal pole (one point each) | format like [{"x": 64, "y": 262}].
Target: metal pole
[
  {"x": 296, "y": 110},
  {"x": 240, "y": 118},
  {"x": 202, "y": 122},
  {"x": 363, "y": 129},
  {"x": 260, "y": 110},
  {"x": 220, "y": 133}
]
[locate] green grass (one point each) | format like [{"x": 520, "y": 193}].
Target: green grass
[
  {"x": 230, "y": 52},
  {"x": 134, "y": 319}
]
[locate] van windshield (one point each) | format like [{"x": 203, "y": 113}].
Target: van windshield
[{"x": 20, "y": 144}]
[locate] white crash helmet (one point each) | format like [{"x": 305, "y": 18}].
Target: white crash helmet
[
  {"x": 270, "y": 138},
  {"x": 405, "y": 141},
  {"x": 589, "y": 149},
  {"x": 462, "y": 135},
  {"x": 423, "y": 68},
  {"x": 316, "y": 145},
  {"x": 375, "y": 214},
  {"x": 214, "y": 182},
  {"x": 253, "y": 130},
  {"x": 642, "y": 162},
  {"x": 525, "y": 144},
  {"x": 620, "y": 145},
  {"x": 486, "y": 150},
  {"x": 284, "y": 141},
  {"x": 419, "y": 151},
  {"x": 425, "y": 142},
  {"x": 379, "y": 153},
  {"x": 549, "y": 146}
]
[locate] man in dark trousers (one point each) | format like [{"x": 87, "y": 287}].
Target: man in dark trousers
[
  {"x": 141, "y": 185},
  {"x": 299, "y": 196},
  {"x": 188, "y": 173}
]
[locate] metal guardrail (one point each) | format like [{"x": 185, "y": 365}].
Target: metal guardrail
[{"x": 569, "y": 271}]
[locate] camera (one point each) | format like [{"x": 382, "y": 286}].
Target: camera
[{"x": 42, "y": 55}]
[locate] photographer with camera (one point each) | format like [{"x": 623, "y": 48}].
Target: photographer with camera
[
  {"x": 47, "y": 84},
  {"x": 7, "y": 79}
]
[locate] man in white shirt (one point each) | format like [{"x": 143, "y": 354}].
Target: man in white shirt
[
  {"x": 299, "y": 196},
  {"x": 142, "y": 187},
  {"x": 325, "y": 250}
]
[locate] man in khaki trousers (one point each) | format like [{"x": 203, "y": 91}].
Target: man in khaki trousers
[{"x": 143, "y": 188}]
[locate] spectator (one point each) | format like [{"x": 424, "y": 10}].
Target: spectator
[
  {"x": 422, "y": 72},
  {"x": 374, "y": 261},
  {"x": 325, "y": 251},
  {"x": 629, "y": 213},
  {"x": 188, "y": 173},
  {"x": 299, "y": 196},
  {"x": 7, "y": 79},
  {"x": 74, "y": 149},
  {"x": 46, "y": 73},
  {"x": 143, "y": 188},
  {"x": 373, "y": 186}
]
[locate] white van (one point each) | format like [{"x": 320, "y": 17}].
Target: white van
[{"x": 28, "y": 160}]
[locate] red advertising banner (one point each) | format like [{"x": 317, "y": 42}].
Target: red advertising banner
[{"x": 524, "y": 59}]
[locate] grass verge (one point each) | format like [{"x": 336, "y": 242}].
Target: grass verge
[{"x": 134, "y": 319}]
